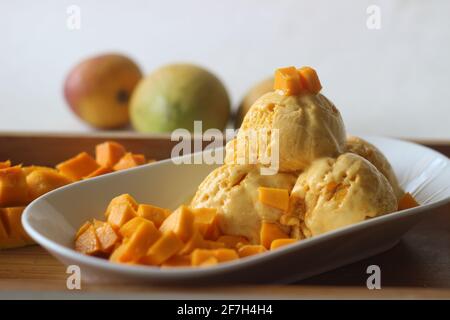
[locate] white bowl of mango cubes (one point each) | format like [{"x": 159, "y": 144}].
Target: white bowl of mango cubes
[{"x": 53, "y": 219}]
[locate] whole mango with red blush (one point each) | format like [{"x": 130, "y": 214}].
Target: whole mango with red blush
[{"x": 98, "y": 90}]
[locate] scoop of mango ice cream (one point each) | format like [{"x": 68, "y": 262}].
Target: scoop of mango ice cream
[
  {"x": 309, "y": 126},
  {"x": 233, "y": 191},
  {"x": 372, "y": 154},
  {"x": 334, "y": 193}
]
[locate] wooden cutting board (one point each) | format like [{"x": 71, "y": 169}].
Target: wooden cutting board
[{"x": 418, "y": 267}]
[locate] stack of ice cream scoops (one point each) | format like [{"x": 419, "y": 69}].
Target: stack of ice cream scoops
[{"x": 324, "y": 181}]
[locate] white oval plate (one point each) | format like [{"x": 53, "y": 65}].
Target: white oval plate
[{"x": 53, "y": 219}]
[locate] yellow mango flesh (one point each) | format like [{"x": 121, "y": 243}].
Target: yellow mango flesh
[
  {"x": 281, "y": 243},
  {"x": 287, "y": 80},
  {"x": 13, "y": 187},
  {"x": 250, "y": 250},
  {"x": 270, "y": 232},
  {"x": 78, "y": 167},
  {"x": 42, "y": 181},
  {"x": 153, "y": 213},
  {"x": 274, "y": 197},
  {"x": 108, "y": 153},
  {"x": 181, "y": 222},
  {"x": 163, "y": 249},
  {"x": 310, "y": 80},
  {"x": 120, "y": 214}
]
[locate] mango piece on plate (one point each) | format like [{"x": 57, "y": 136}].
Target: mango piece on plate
[
  {"x": 123, "y": 198},
  {"x": 199, "y": 256},
  {"x": 12, "y": 219},
  {"x": 108, "y": 153},
  {"x": 195, "y": 242},
  {"x": 232, "y": 242},
  {"x": 274, "y": 197},
  {"x": 78, "y": 167},
  {"x": 225, "y": 254},
  {"x": 129, "y": 160},
  {"x": 100, "y": 171},
  {"x": 163, "y": 249},
  {"x": 207, "y": 222},
  {"x": 310, "y": 80},
  {"x": 41, "y": 181},
  {"x": 107, "y": 237},
  {"x": 140, "y": 241},
  {"x": 277, "y": 243},
  {"x": 30, "y": 169},
  {"x": 121, "y": 213},
  {"x": 407, "y": 202},
  {"x": 181, "y": 222},
  {"x": 129, "y": 228},
  {"x": 83, "y": 228},
  {"x": 88, "y": 242},
  {"x": 250, "y": 250},
  {"x": 153, "y": 213},
  {"x": 287, "y": 80},
  {"x": 13, "y": 187},
  {"x": 270, "y": 232}
]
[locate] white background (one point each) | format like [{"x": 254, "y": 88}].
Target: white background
[{"x": 393, "y": 81}]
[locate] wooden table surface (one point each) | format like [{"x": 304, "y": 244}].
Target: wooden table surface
[{"x": 418, "y": 267}]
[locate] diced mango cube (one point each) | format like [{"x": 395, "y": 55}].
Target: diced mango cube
[
  {"x": 140, "y": 242},
  {"x": 232, "y": 241},
  {"x": 123, "y": 198},
  {"x": 407, "y": 202},
  {"x": 153, "y": 213},
  {"x": 211, "y": 261},
  {"x": 181, "y": 222},
  {"x": 167, "y": 246},
  {"x": 269, "y": 232},
  {"x": 107, "y": 237},
  {"x": 12, "y": 219},
  {"x": 288, "y": 81},
  {"x": 13, "y": 187},
  {"x": 108, "y": 153},
  {"x": 207, "y": 222},
  {"x": 204, "y": 218},
  {"x": 274, "y": 197},
  {"x": 195, "y": 242},
  {"x": 120, "y": 254},
  {"x": 277, "y": 243},
  {"x": 99, "y": 172},
  {"x": 225, "y": 254},
  {"x": 87, "y": 242},
  {"x": 83, "y": 228},
  {"x": 42, "y": 181},
  {"x": 120, "y": 213},
  {"x": 129, "y": 160},
  {"x": 78, "y": 167},
  {"x": 199, "y": 256},
  {"x": 129, "y": 228},
  {"x": 310, "y": 80},
  {"x": 250, "y": 250}
]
